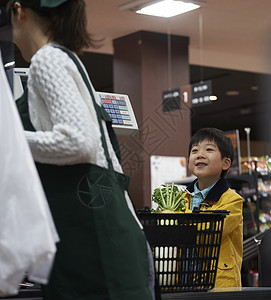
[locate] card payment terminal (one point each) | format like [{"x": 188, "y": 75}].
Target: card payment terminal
[{"x": 118, "y": 106}]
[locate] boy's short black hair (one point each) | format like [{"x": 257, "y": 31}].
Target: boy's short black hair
[{"x": 223, "y": 142}]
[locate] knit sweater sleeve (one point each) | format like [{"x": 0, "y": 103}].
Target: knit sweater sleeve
[{"x": 61, "y": 111}]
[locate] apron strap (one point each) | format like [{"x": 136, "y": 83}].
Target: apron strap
[{"x": 100, "y": 111}]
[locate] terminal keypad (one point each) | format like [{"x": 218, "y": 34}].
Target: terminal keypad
[{"x": 117, "y": 109}]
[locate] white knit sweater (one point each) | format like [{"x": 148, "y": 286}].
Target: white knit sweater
[{"x": 62, "y": 112}]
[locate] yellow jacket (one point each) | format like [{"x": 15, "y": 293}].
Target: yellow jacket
[{"x": 221, "y": 197}]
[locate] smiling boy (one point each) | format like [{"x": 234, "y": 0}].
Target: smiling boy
[{"x": 210, "y": 156}]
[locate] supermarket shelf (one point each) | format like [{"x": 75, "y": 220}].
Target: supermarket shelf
[{"x": 250, "y": 248}]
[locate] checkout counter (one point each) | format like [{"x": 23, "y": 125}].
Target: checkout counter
[{"x": 248, "y": 293}]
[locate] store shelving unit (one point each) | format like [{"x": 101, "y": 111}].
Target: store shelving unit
[
  {"x": 256, "y": 192},
  {"x": 255, "y": 188}
]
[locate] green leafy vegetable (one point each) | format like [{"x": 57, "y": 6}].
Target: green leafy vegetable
[{"x": 169, "y": 198}]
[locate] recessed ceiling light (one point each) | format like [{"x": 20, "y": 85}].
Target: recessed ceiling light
[
  {"x": 167, "y": 8},
  {"x": 213, "y": 98},
  {"x": 245, "y": 111},
  {"x": 232, "y": 93}
]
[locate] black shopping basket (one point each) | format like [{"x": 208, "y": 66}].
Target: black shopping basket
[{"x": 185, "y": 248}]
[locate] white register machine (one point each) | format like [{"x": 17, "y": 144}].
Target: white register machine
[{"x": 118, "y": 106}]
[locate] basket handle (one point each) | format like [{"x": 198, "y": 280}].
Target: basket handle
[{"x": 198, "y": 210}]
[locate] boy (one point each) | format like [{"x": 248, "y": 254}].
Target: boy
[{"x": 210, "y": 156}]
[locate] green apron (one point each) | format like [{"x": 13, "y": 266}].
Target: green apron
[{"x": 102, "y": 253}]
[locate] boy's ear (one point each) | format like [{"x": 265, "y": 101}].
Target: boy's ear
[{"x": 226, "y": 163}]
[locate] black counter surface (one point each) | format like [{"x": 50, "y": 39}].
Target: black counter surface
[{"x": 248, "y": 293}]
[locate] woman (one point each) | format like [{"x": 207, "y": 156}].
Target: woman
[{"x": 102, "y": 252}]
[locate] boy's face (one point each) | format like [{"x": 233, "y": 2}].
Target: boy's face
[{"x": 206, "y": 163}]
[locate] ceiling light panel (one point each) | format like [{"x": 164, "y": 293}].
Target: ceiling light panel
[{"x": 167, "y": 8}]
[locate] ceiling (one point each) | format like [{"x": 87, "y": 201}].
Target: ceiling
[
  {"x": 229, "y": 44},
  {"x": 223, "y": 33},
  {"x": 244, "y": 100}
]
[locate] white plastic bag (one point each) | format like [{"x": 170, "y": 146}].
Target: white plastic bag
[{"x": 27, "y": 232}]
